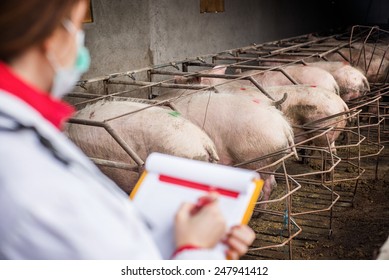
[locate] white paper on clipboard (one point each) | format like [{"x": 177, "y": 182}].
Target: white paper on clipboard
[{"x": 169, "y": 181}]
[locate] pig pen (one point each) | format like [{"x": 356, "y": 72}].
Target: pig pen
[{"x": 333, "y": 206}]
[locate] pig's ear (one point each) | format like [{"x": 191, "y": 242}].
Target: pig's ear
[
  {"x": 366, "y": 86},
  {"x": 197, "y": 80},
  {"x": 187, "y": 81},
  {"x": 220, "y": 70},
  {"x": 179, "y": 80}
]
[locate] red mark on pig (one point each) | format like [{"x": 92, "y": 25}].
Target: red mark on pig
[
  {"x": 256, "y": 101},
  {"x": 242, "y": 88},
  {"x": 313, "y": 86}
]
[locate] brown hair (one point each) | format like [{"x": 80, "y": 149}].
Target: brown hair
[{"x": 26, "y": 23}]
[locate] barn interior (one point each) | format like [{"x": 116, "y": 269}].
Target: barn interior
[
  {"x": 330, "y": 205},
  {"x": 128, "y": 35}
]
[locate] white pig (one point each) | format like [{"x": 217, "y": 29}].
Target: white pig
[
  {"x": 152, "y": 130},
  {"x": 374, "y": 65},
  {"x": 303, "y": 104},
  {"x": 304, "y": 75},
  {"x": 352, "y": 83}
]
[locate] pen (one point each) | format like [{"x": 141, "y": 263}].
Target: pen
[{"x": 201, "y": 202}]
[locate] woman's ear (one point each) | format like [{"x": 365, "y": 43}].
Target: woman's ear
[
  {"x": 51, "y": 42},
  {"x": 45, "y": 45},
  {"x": 78, "y": 13}
]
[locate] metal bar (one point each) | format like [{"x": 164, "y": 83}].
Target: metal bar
[
  {"x": 311, "y": 48},
  {"x": 114, "y": 135},
  {"x": 364, "y": 45},
  {"x": 291, "y": 54},
  {"x": 239, "y": 66},
  {"x": 283, "y": 197},
  {"x": 281, "y": 244},
  {"x": 106, "y": 91},
  {"x": 124, "y": 145},
  {"x": 115, "y": 164},
  {"x": 196, "y": 74},
  {"x": 236, "y": 58},
  {"x": 288, "y": 76},
  {"x": 334, "y": 49},
  {"x": 280, "y": 60},
  {"x": 319, "y": 210},
  {"x": 289, "y": 210},
  {"x": 301, "y": 45},
  {"x": 83, "y": 95},
  {"x": 161, "y": 84},
  {"x": 251, "y": 79},
  {"x": 86, "y": 122}
]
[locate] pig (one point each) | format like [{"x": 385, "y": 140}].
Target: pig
[
  {"x": 308, "y": 75},
  {"x": 304, "y": 104},
  {"x": 241, "y": 128},
  {"x": 373, "y": 61},
  {"x": 351, "y": 80},
  {"x": 307, "y": 104},
  {"x": 352, "y": 83},
  {"x": 305, "y": 75},
  {"x": 374, "y": 65},
  {"x": 154, "y": 129}
]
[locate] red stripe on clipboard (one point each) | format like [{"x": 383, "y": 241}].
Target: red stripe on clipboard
[{"x": 198, "y": 186}]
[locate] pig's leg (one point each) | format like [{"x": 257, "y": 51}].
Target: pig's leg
[
  {"x": 333, "y": 148},
  {"x": 269, "y": 184}
]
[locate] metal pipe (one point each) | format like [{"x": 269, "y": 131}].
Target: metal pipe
[
  {"x": 114, "y": 164},
  {"x": 162, "y": 85},
  {"x": 114, "y": 135},
  {"x": 251, "y": 79},
  {"x": 301, "y": 45},
  {"x": 288, "y": 76},
  {"x": 83, "y": 95},
  {"x": 124, "y": 145}
]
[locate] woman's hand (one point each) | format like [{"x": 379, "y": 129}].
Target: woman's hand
[
  {"x": 201, "y": 227},
  {"x": 238, "y": 241}
]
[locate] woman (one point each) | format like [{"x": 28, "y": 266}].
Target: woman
[{"x": 54, "y": 203}]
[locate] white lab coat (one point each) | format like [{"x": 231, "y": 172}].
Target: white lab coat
[
  {"x": 50, "y": 210},
  {"x": 384, "y": 251}
]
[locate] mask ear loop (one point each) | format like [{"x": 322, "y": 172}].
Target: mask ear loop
[
  {"x": 83, "y": 59},
  {"x": 69, "y": 26}
]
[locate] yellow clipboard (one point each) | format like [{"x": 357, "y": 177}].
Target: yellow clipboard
[{"x": 169, "y": 181}]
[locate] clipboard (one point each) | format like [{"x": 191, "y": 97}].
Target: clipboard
[{"x": 168, "y": 181}]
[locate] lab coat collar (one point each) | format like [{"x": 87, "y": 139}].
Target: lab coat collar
[{"x": 53, "y": 110}]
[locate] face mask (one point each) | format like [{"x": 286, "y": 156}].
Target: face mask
[{"x": 66, "y": 77}]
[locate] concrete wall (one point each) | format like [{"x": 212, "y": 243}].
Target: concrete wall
[
  {"x": 178, "y": 30},
  {"x": 118, "y": 39},
  {"x": 128, "y": 35}
]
